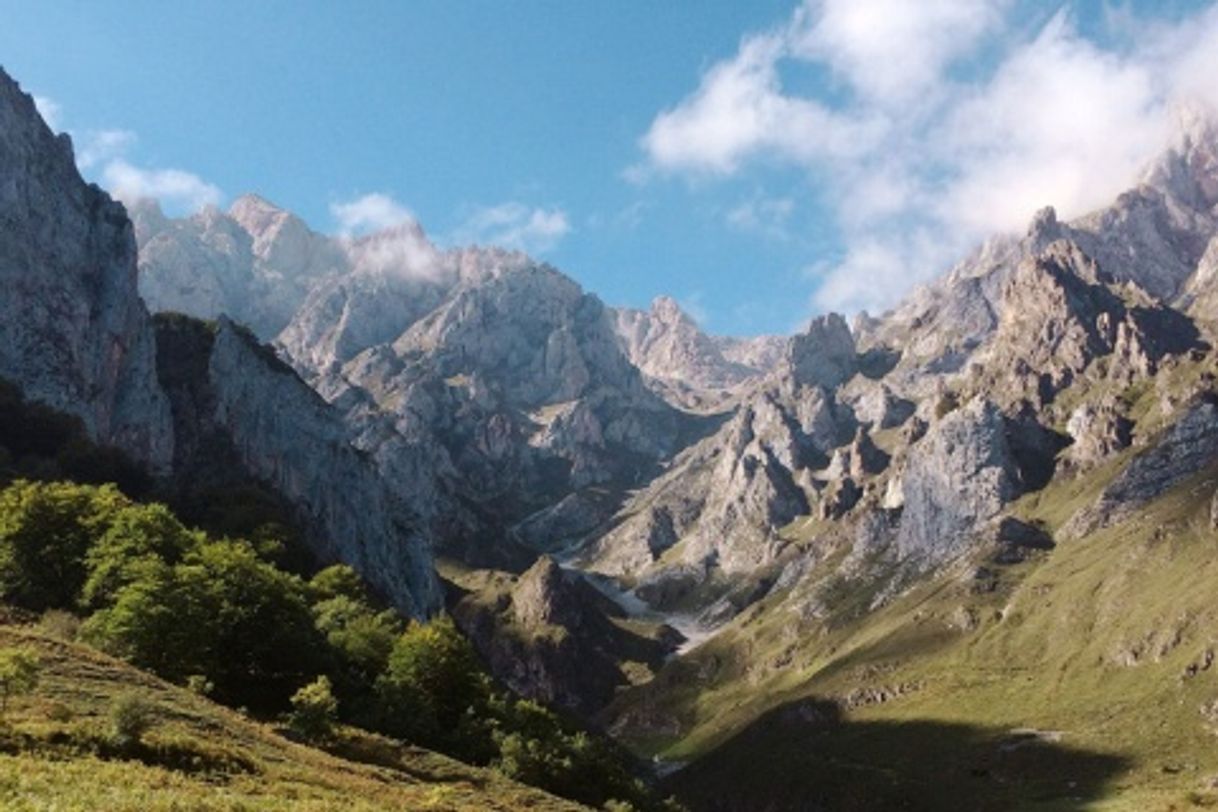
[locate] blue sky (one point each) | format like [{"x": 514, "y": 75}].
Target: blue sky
[{"x": 759, "y": 161}]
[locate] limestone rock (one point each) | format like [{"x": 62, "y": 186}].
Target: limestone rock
[
  {"x": 962, "y": 475},
  {"x": 683, "y": 363},
  {"x": 73, "y": 331},
  {"x": 227, "y": 388},
  {"x": 1098, "y": 430},
  {"x": 1184, "y": 448}
]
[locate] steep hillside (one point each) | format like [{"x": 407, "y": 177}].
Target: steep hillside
[{"x": 56, "y": 752}]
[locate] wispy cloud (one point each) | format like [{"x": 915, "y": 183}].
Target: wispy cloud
[
  {"x": 514, "y": 225},
  {"x": 767, "y": 216},
  {"x": 96, "y": 147},
  {"x": 371, "y": 212},
  {"x": 941, "y": 122},
  {"x": 105, "y": 156},
  {"x": 173, "y": 188},
  {"x": 50, "y": 111}
]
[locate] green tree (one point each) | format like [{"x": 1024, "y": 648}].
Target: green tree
[
  {"x": 221, "y": 612},
  {"x": 137, "y": 536},
  {"x": 19, "y": 670},
  {"x": 46, "y": 530},
  {"x": 339, "y": 580},
  {"x": 361, "y": 637},
  {"x": 433, "y": 689},
  {"x": 314, "y": 709}
]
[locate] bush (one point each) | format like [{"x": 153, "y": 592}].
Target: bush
[
  {"x": 199, "y": 684},
  {"x": 19, "y": 669},
  {"x": 59, "y": 624},
  {"x": 314, "y": 710},
  {"x": 131, "y": 716}
]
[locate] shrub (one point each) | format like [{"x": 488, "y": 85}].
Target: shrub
[
  {"x": 199, "y": 684},
  {"x": 59, "y": 624},
  {"x": 19, "y": 669},
  {"x": 131, "y": 716},
  {"x": 314, "y": 710}
]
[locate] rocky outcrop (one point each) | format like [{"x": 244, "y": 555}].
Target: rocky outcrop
[
  {"x": 1182, "y": 450},
  {"x": 551, "y": 637},
  {"x": 1098, "y": 430},
  {"x": 721, "y": 502},
  {"x": 73, "y": 331},
  {"x": 685, "y": 365},
  {"x": 1060, "y": 313},
  {"x": 824, "y": 355},
  {"x": 232, "y": 395},
  {"x": 962, "y": 475}
]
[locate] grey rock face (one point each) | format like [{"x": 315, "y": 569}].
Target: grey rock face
[
  {"x": 1185, "y": 448},
  {"x": 288, "y": 436},
  {"x": 962, "y": 475},
  {"x": 73, "y": 331},
  {"x": 503, "y": 377},
  {"x": 824, "y": 355},
  {"x": 685, "y": 365},
  {"x": 723, "y": 500}
]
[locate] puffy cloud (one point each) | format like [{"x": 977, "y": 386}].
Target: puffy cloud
[
  {"x": 372, "y": 212},
  {"x": 934, "y": 124},
  {"x": 739, "y": 110},
  {"x": 175, "y": 189},
  {"x": 891, "y": 51},
  {"x": 514, "y": 225}
]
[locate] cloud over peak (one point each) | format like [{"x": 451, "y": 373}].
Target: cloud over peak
[
  {"x": 931, "y": 125},
  {"x": 514, "y": 225},
  {"x": 371, "y": 212}
]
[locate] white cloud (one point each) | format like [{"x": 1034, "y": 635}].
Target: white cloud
[
  {"x": 50, "y": 110},
  {"x": 104, "y": 156},
  {"x": 739, "y": 110},
  {"x": 942, "y": 123},
  {"x": 514, "y": 225},
  {"x": 891, "y": 51},
  {"x": 95, "y": 147},
  {"x": 175, "y": 189},
  {"x": 372, "y": 212}
]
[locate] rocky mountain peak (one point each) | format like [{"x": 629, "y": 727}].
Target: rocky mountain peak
[
  {"x": 666, "y": 310},
  {"x": 823, "y": 355},
  {"x": 1188, "y": 170}
]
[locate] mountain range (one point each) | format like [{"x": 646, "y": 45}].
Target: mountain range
[{"x": 956, "y": 555}]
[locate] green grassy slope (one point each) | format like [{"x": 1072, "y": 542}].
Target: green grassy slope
[
  {"x": 1082, "y": 679},
  {"x": 56, "y": 753}
]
